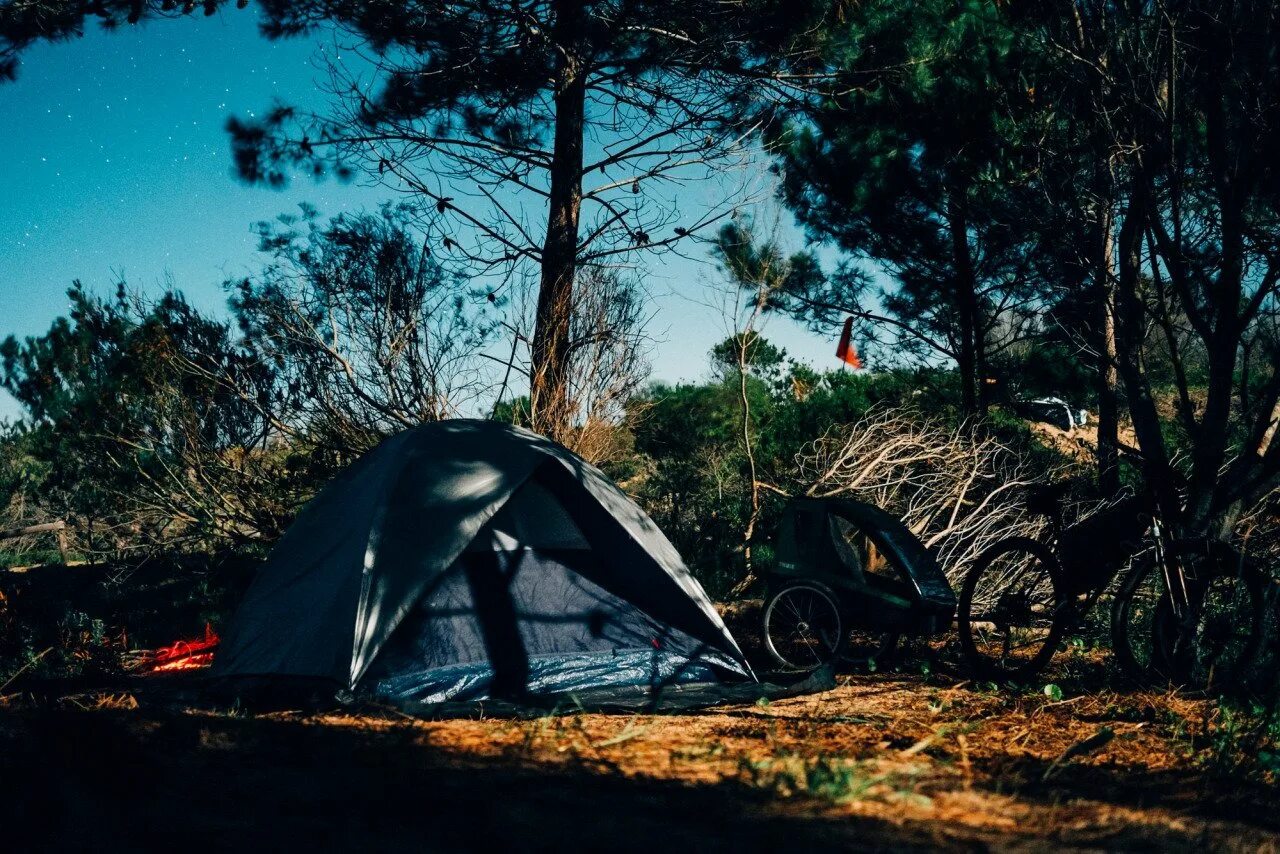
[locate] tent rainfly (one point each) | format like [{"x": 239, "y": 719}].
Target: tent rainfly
[{"x": 465, "y": 560}]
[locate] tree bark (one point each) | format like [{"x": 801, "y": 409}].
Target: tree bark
[
  {"x": 1108, "y": 403},
  {"x": 1130, "y": 332},
  {"x": 1222, "y": 345},
  {"x": 551, "y": 408},
  {"x": 1229, "y": 167}
]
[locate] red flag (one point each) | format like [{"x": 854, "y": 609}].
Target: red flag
[{"x": 845, "y": 351}]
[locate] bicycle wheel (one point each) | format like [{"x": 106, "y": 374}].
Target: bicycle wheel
[
  {"x": 1010, "y": 619},
  {"x": 1211, "y": 638},
  {"x": 1139, "y": 621},
  {"x": 803, "y": 626}
]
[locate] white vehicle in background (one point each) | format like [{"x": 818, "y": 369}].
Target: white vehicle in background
[{"x": 1055, "y": 411}]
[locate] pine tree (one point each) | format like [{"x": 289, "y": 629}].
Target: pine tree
[
  {"x": 546, "y": 134},
  {"x": 913, "y": 168},
  {"x": 25, "y": 23}
]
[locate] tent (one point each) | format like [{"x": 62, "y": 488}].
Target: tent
[{"x": 465, "y": 560}]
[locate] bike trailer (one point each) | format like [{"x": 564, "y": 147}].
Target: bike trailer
[{"x": 886, "y": 578}]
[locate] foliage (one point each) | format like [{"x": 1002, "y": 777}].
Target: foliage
[
  {"x": 367, "y": 332},
  {"x": 22, "y": 473},
  {"x": 23, "y": 24},
  {"x": 547, "y": 135},
  {"x": 131, "y": 442},
  {"x": 1241, "y": 738},
  {"x": 692, "y": 467},
  {"x": 1039, "y": 194},
  {"x": 1164, "y": 123},
  {"x": 837, "y": 779},
  {"x": 151, "y": 426},
  {"x": 917, "y": 172}
]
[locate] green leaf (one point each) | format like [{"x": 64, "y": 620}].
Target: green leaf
[{"x": 1053, "y": 692}]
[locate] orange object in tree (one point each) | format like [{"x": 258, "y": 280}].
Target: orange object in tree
[{"x": 845, "y": 351}]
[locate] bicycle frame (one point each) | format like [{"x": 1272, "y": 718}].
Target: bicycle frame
[
  {"x": 1156, "y": 535},
  {"x": 1171, "y": 566}
]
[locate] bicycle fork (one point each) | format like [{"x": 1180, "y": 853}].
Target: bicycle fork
[{"x": 1175, "y": 585}]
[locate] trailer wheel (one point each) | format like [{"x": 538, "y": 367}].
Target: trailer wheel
[{"x": 804, "y": 627}]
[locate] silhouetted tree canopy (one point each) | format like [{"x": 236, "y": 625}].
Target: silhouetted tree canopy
[
  {"x": 24, "y": 23},
  {"x": 549, "y": 135}
]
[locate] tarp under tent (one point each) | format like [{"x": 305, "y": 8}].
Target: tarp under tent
[{"x": 465, "y": 560}]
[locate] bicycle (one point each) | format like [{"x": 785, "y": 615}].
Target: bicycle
[{"x": 1187, "y": 610}]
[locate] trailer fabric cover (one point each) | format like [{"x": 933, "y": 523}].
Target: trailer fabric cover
[
  {"x": 903, "y": 549},
  {"x": 422, "y": 521}
]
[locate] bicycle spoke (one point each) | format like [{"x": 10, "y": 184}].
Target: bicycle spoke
[
  {"x": 802, "y": 627},
  {"x": 1216, "y": 641},
  {"x": 1010, "y": 607}
]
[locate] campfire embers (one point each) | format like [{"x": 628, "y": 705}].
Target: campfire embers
[{"x": 182, "y": 655}]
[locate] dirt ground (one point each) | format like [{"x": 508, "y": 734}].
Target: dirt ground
[
  {"x": 881, "y": 762},
  {"x": 902, "y": 760}
]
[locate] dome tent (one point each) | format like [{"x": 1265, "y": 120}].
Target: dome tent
[{"x": 463, "y": 560}]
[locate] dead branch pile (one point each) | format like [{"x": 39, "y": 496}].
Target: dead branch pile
[{"x": 958, "y": 488}]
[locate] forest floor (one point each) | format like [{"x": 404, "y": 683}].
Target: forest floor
[{"x": 901, "y": 760}]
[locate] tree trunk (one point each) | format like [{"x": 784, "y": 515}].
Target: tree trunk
[
  {"x": 1130, "y": 332},
  {"x": 1226, "y": 166},
  {"x": 551, "y": 408},
  {"x": 1214, "y": 433},
  {"x": 753, "y": 492},
  {"x": 1108, "y": 403},
  {"x": 1222, "y": 348},
  {"x": 1269, "y": 434},
  {"x": 970, "y": 355}
]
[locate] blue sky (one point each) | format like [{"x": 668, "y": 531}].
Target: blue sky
[{"x": 118, "y": 164}]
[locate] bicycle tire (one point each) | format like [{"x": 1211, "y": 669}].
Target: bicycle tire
[
  {"x": 1136, "y": 602},
  {"x": 1053, "y": 624}
]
